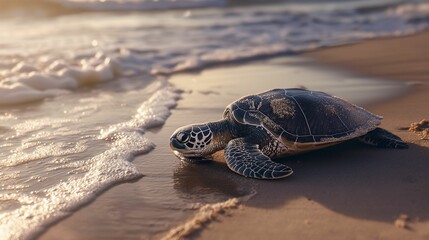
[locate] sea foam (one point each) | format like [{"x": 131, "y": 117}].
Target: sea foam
[
  {"x": 28, "y": 213},
  {"x": 26, "y": 83}
]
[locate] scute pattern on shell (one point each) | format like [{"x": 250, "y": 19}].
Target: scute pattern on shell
[{"x": 299, "y": 115}]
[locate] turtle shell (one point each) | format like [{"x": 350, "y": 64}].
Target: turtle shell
[{"x": 303, "y": 116}]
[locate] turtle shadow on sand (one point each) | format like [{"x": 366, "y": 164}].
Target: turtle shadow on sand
[{"x": 351, "y": 179}]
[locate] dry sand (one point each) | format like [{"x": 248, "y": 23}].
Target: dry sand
[{"x": 350, "y": 191}]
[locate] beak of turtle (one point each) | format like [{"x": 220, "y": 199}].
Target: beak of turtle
[{"x": 175, "y": 144}]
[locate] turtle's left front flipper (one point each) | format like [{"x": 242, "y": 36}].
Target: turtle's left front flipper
[
  {"x": 383, "y": 139},
  {"x": 246, "y": 159}
]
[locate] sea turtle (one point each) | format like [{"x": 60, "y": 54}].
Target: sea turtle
[{"x": 278, "y": 123}]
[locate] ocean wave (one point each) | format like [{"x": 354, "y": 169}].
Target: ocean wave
[
  {"x": 26, "y": 213},
  {"x": 75, "y": 52}
]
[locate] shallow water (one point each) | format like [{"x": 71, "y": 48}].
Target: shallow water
[{"x": 83, "y": 90}]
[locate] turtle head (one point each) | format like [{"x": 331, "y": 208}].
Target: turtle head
[{"x": 193, "y": 142}]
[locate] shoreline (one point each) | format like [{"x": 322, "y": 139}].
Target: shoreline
[{"x": 300, "y": 204}]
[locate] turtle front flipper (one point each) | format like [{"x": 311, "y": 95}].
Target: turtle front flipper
[
  {"x": 246, "y": 159},
  {"x": 383, "y": 139}
]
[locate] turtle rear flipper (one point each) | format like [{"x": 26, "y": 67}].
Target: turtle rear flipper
[
  {"x": 246, "y": 159},
  {"x": 383, "y": 139}
]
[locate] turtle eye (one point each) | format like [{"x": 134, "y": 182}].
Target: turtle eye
[{"x": 183, "y": 137}]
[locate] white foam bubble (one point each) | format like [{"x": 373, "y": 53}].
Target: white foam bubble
[
  {"x": 19, "y": 93},
  {"x": 44, "y": 81},
  {"x": 56, "y": 66},
  {"x": 22, "y": 67}
]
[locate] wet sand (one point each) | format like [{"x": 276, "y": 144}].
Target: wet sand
[
  {"x": 345, "y": 192},
  {"x": 353, "y": 191}
]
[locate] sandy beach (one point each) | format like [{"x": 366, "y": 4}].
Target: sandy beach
[
  {"x": 353, "y": 192},
  {"x": 350, "y": 191}
]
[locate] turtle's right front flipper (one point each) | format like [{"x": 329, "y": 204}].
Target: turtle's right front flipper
[{"x": 246, "y": 159}]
